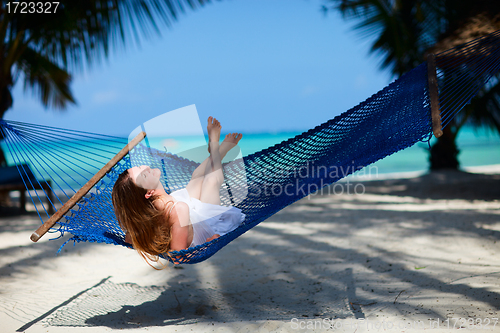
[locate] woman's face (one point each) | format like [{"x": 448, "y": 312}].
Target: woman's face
[{"x": 145, "y": 177}]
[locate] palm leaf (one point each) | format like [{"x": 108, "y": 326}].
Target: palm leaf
[
  {"x": 83, "y": 32},
  {"x": 47, "y": 47},
  {"x": 48, "y": 81}
]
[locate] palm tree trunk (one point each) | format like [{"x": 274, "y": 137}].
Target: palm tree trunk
[
  {"x": 444, "y": 153},
  {"x": 5, "y": 104}
]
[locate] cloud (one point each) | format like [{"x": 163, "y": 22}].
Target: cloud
[
  {"x": 308, "y": 91},
  {"x": 105, "y": 97},
  {"x": 361, "y": 81}
]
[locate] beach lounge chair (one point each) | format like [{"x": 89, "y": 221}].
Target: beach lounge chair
[{"x": 11, "y": 180}]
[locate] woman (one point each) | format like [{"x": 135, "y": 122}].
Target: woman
[{"x": 157, "y": 222}]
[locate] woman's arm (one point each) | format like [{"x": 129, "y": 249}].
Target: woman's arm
[
  {"x": 180, "y": 228},
  {"x": 179, "y": 237}
]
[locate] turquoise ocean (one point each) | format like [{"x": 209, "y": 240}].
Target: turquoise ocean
[{"x": 478, "y": 147}]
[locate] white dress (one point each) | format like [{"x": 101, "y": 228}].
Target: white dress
[{"x": 208, "y": 219}]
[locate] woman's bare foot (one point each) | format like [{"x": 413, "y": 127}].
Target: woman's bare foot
[
  {"x": 213, "y": 129},
  {"x": 233, "y": 138},
  {"x": 230, "y": 141}
]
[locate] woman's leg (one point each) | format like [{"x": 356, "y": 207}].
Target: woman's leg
[
  {"x": 195, "y": 184},
  {"x": 213, "y": 178}
]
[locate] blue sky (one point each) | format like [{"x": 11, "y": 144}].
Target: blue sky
[{"x": 257, "y": 65}]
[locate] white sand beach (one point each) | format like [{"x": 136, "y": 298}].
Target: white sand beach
[{"x": 409, "y": 254}]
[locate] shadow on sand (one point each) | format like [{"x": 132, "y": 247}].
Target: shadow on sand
[{"x": 313, "y": 267}]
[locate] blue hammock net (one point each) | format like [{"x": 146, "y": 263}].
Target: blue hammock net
[{"x": 395, "y": 118}]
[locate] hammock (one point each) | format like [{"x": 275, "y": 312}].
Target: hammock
[{"x": 407, "y": 111}]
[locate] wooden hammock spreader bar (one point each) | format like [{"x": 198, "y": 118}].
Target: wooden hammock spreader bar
[
  {"x": 434, "y": 95},
  {"x": 85, "y": 188}
]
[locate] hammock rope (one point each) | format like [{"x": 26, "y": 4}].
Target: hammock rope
[{"x": 393, "y": 119}]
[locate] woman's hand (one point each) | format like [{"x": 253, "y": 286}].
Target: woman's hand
[{"x": 213, "y": 237}]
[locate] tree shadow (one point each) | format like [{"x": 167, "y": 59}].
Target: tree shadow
[
  {"x": 17, "y": 221},
  {"x": 441, "y": 185},
  {"x": 292, "y": 276},
  {"x": 44, "y": 250},
  {"x": 308, "y": 261}
]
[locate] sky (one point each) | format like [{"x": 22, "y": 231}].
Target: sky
[{"x": 256, "y": 65}]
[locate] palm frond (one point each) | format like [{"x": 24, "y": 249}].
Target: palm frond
[
  {"x": 487, "y": 106},
  {"x": 47, "y": 47},
  {"x": 83, "y": 32},
  {"x": 394, "y": 26},
  {"x": 46, "y": 79}
]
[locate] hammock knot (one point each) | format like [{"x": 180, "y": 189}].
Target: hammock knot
[{"x": 427, "y": 139}]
